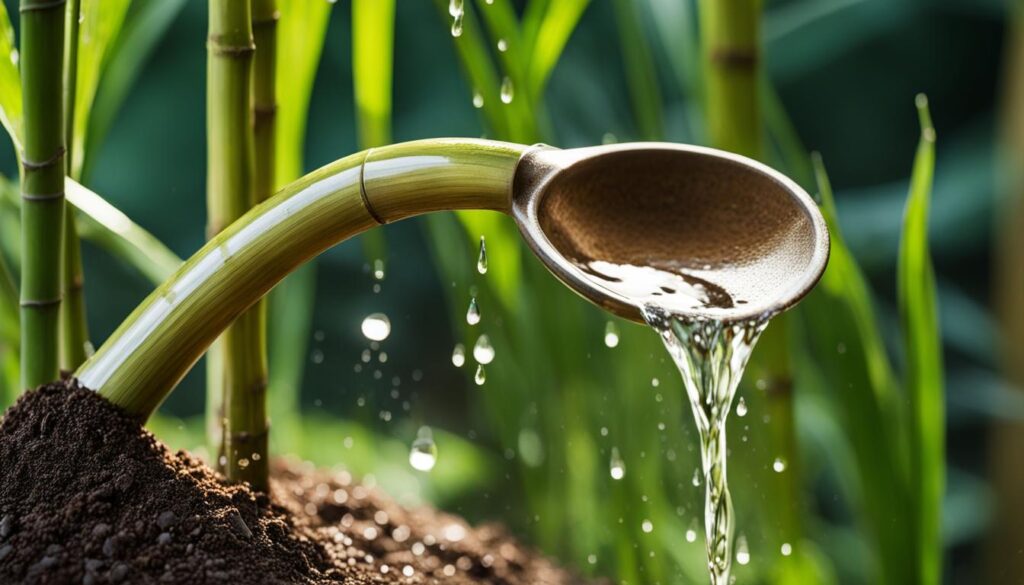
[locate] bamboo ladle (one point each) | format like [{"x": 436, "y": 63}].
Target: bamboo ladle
[{"x": 739, "y": 223}]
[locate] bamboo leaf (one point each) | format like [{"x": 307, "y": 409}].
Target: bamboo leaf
[
  {"x": 10, "y": 81},
  {"x": 144, "y": 26},
  {"x": 474, "y": 56},
  {"x": 848, "y": 348},
  {"x": 373, "y": 33},
  {"x": 301, "y": 33},
  {"x": 552, "y": 35},
  {"x": 101, "y": 22},
  {"x": 109, "y": 228},
  {"x": 640, "y": 71},
  {"x": 923, "y": 349}
]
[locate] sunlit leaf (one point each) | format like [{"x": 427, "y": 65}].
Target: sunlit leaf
[
  {"x": 10, "y": 81},
  {"x": 552, "y": 35},
  {"x": 923, "y": 351},
  {"x": 100, "y": 24},
  {"x": 301, "y": 31},
  {"x": 145, "y": 25},
  {"x": 109, "y": 228}
]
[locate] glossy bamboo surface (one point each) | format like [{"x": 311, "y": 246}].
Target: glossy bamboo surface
[{"x": 163, "y": 338}]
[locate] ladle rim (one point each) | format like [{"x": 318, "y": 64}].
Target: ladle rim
[{"x": 541, "y": 164}]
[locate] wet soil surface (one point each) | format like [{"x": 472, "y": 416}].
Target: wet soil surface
[{"x": 88, "y": 496}]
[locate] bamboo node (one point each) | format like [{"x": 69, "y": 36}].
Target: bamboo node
[
  {"x": 42, "y": 196},
  {"x": 268, "y": 21},
  {"x": 32, "y": 165},
  {"x": 215, "y": 47},
  {"x": 735, "y": 57},
  {"x": 41, "y": 303},
  {"x": 30, "y": 6},
  {"x": 362, "y": 190},
  {"x": 264, "y": 112}
]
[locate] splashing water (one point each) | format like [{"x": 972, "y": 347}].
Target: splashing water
[
  {"x": 473, "y": 313},
  {"x": 423, "y": 453},
  {"x": 376, "y": 327},
  {"x": 457, "y": 11},
  {"x": 481, "y": 261},
  {"x": 711, "y": 356},
  {"x": 507, "y": 91}
]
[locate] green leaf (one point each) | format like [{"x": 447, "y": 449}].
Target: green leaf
[
  {"x": 145, "y": 24},
  {"x": 105, "y": 225},
  {"x": 923, "y": 350},
  {"x": 472, "y": 47},
  {"x": 10, "y": 81},
  {"x": 847, "y": 347},
  {"x": 300, "y": 41},
  {"x": 373, "y": 34},
  {"x": 552, "y": 35},
  {"x": 100, "y": 24},
  {"x": 640, "y": 70}
]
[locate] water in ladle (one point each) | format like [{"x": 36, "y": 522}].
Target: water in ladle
[{"x": 711, "y": 355}]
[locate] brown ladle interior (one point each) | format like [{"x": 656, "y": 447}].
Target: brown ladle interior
[{"x": 724, "y": 222}]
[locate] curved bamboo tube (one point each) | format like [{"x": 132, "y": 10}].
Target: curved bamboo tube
[{"x": 139, "y": 365}]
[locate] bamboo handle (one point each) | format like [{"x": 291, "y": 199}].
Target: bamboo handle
[{"x": 139, "y": 365}]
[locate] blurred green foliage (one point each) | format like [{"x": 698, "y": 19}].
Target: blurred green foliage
[{"x": 839, "y": 77}]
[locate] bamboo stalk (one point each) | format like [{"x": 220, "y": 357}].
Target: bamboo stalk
[
  {"x": 731, "y": 40},
  {"x": 245, "y": 440},
  {"x": 156, "y": 346},
  {"x": 73, "y": 324},
  {"x": 230, "y": 192},
  {"x": 42, "y": 187}
]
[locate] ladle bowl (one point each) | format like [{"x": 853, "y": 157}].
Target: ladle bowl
[{"x": 718, "y": 221}]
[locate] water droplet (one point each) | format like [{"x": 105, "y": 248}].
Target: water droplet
[
  {"x": 655, "y": 382},
  {"x": 611, "y": 334},
  {"x": 483, "y": 351},
  {"x": 742, "y": 550},
  {"x": 609, "y": 138},
  {"x": 243, "y": 463},
  {"x": 15, "y": 56},
  {"x": 423, "y": 454},
  {"x": 481, "y": 376},
  {"x": 507, "y": 91},
  {"x": 459, "y": 355},
  {"x": 691, "y": 532},
  {"x": 481, "y": 261},
  {"x": 502, "y": 45},
  {"x": 473, "y": 313},
  {"x": 478, "y": 100},
  {"x": 376, "y": 327},
  {"x": 457, "y": 11},
  {"x": 779, "y": 465},
  {"x": 617, "y": 466},
  {"x": 647, "y": 526},
  {"x": 592, "y": 559},
  {"x": 741, "y": 407},
  {"x": 786, "y": 549},
  {"x": 696, "y": 478},
  {"x": 332, "y": 1},
  {"x": 378, "y": 269}
]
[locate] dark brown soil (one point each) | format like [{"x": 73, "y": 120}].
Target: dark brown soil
[{"x": 88, "y": 496}]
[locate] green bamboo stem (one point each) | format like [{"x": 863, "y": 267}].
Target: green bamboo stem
[
  {"x": 730, "y": 40},
  {"x": 241, "y": 370},
  {"x": 156, "y": 346},
  {"x": 245, "y": 440},
  {"x": 74, "y": 327},
  {"x": 42, "y": 187}
]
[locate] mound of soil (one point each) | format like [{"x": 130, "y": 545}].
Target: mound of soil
[{"x": 88, "y": 496}]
